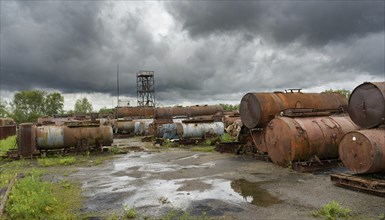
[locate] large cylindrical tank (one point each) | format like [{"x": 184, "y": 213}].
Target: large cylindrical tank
[
  {"x": 300, "y": 139},
  {"x": 190, "y": 111},
  {"x": 54, "y": 137},
  {"x": 7, "y": 121},
  {"x": 190, "y": 130},
  {"x": 363, "y": 151},
  {"x": 367, "y": 104},
  {"x": 142, "y": 126},
  {"x": 134, "y": 112},
  {"x": 26, "y": 139},
  {"x": 257, "y": 109}
]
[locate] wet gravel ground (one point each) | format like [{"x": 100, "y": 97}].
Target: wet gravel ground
[{"x": 224, "y": 186}]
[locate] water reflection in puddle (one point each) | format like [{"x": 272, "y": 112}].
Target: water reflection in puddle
[{"x": 253, "y": 193}]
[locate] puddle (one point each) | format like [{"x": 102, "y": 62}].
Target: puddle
[{"x": 253, "y": 193}]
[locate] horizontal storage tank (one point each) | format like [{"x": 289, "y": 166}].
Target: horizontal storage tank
[
  {"x": 7, "y": 121},
  {"x": 257, "y": 109},
  {"x": 190, "y": 111},
  {"x": 367, "y": 104},
  {"x": 55, "y": 137},
  {"x": 7, "y": 128},
  {"x": 300, "y": 139},
  {"x": 190, "y": 130},
  {"x": 134, "y": 112},
  {"x": 363, "y": 151}
]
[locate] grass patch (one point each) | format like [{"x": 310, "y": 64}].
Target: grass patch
[
  {"x": 183, "y": 215},
  {"x": 227, "y": 138},
  {"x": 129, "y": 212},
  {"x": 32, "y": 198},
  {"x": 203, "y": 148},
  {"x": 55, "y": 161},
  {"x": 6, "y": 144},
  {"x": 116, "y": 150},
  {"x": 332, "y": 211}
]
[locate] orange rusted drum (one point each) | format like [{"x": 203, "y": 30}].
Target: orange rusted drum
[
  {"x": 257, "y": 109},
  {"x": 190, "y": 111},
  {"x": 26, "y": 139},
  {"x": 258, "y": 138},
  {"x": 367, "y": 104},
  {"x": 363, "y": 151},
  {"x": 301, "y": 139},
  {"x": 134, "y": 112}
]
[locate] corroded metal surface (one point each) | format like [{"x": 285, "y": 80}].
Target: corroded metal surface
[
  {"x": 190, "y": 130},
  {"x": 370, "y": 184},
  {"x": 190, "y": 111},
  {"x": 7, "y": 121},
  {"x": 258, "y": 137},
  {"x": 54, "y": 137},
  {"x": 134, "y": 112},
  {"x": 367, "y": 104},
  {"x": 6, "y": 131},
  {"x": 26, "y": 139},
  {"x": 302, "y": 139},
  {"x": 257, "y": 109},
  {"x": 363, "y": 151}
]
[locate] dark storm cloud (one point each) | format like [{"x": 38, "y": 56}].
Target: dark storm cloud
[{"x": 315, "y": 22}]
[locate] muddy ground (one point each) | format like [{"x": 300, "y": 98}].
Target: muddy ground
[{"x": 225, "y": 186}]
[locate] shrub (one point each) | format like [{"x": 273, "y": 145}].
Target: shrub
[{"x": 332, "y": 211}]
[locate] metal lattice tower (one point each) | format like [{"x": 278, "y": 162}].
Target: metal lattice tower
[{"x": 145, "y": 88}]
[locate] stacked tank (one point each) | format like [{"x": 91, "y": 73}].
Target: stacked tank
[
  {"x": 363, "y": 151},
  {"x": 295, "y": 126}
]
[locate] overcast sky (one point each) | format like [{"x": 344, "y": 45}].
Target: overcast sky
[{"x": 201, "y": 51}]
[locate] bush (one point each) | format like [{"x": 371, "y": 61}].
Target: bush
[{"x": 47, "y": 162}]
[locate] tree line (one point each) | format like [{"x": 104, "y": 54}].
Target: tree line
[{"x": 27, "y": 106}]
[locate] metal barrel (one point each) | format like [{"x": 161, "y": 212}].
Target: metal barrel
[
  {"x": 367, "y": 104},
  {"x": 363, "y": 151},
  {"x": 55, "y": 137},
  {"x": 190, "y": 111},
  {"x": 201, "y": 130},
  {"x": 257, "y": 109},
  {"x": 7, "y": 121},
  {"x": 125, "y": 127},
  {"x": 301, "y": 139},
  {"x": 134, "y": 112},
  {"x": 142, "y": 126},
  {"x": 26, "y": 139},
  {"x": 190, "y": 130}
]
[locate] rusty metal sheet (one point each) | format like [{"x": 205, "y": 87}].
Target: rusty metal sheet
[
  {"x": 257, "y": 109},
  {"x": 363, "y": 151},
  {"x": 364, "y": 183},
  {"x": 6, "y": 131},
  {"x": 302, "y": 139},
  {"x": 367, "y": 104},
  {"x": 258, "y": 137},
  {"x": 26, "y": 139}
]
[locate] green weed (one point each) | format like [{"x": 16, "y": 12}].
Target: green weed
[
  {"x": 203, "y": 148},
  {"x": 115, "y": 150},
  {"x": 6, "y": 144},
  {"x": 332, "y": 211},
  {"x": 129, "y": 213},
  {"x": 227, "y": 138},
  {"x": 54, "y": 161}
]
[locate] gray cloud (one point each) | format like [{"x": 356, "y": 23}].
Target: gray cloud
[
  {"x": 208, "y": 51},
  {"x": 315, "y": 22}
]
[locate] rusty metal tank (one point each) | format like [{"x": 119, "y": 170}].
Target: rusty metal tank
[
  {"x": 54, "y": 137},
  {"x": 26, "y": 139},
  {"x": 367, "y": 104},
  {"x": 134, "y": 112},
  {"x": 190, "y": 130},
  {"x": 133, "y": 127},
  {"x": 363, "y": 151},
  {"x": 301, "y": 139},
  {"x": 257, "y": 109},
  {"x": 190, "y": 111},
  {"x": 7, "y": 128}
]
